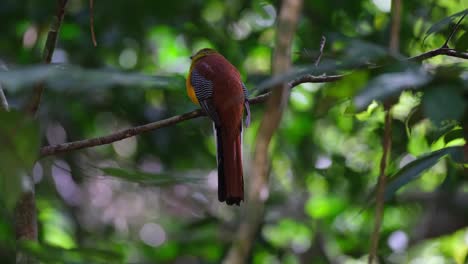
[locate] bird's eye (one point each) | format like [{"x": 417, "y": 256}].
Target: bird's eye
[{"x": 191, "y": 57}]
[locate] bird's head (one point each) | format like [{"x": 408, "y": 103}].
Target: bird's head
[{"x": 202, "y": 53}]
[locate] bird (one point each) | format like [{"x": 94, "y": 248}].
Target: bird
[{"x": 215, "y": 84}]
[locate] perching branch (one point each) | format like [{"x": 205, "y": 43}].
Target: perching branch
[
  {"x": 86, "y": 143},
  {"x": 49, "y": 48},
  {"x": 130, "y": 132}
]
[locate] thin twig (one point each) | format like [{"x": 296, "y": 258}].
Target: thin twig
[
  {"x": 49, "y": 48},
  {"x": 453, "y": 32},
  {"x": 322, "y": 46},
  {"x": 395, "y": 28},
  {"x": 91, "y": 22},
  {"x": 440, "y": 51},
  {"x": 381, "y": 182}
]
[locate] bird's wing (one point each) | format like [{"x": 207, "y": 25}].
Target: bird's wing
[
  {"x": 247, "y": 105},
  {"x": 204, "y": 93}
]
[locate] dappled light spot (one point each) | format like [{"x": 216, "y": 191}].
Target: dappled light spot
[
  {"x": 125, "y": 148},
  {"x": 289, "y": 232},
  {"x": 428, "y": 260},
  {"x": 101, "y": 194},
  {"x": 169, "y": 51},
  {"x": 406, "y": 103},
  {"x": 300, "y": 245},
  {"x": 240, "y": 30},
  {"x": 181, "y": 190},
  {"x": 128, "y": 58},
  {"x": 405, "y": 160},
  {"x": 323, "y": 162},
  {"x": 151, "y": 164},
  {"x": 56, "y": 134},
  {"x": 213, "y": 12},
  {"x": 264, "y": 193},
  {"x": 60, "y": 56},
  {"x": 152, "y": 234},
  {"x": 56, "y": 226},
  {"x": 198, "y": 196},
  {"x": 258, "y": 60},
  {"x": 120, "y": 223},
  {"x": 37, "y": 172},
  {"x": 466, "y": 237},
  {"x": 66, "y": 186},
  {"x": 398, "y": 241},
  {"x": 30, "y": 37},
  {"x": 383, "y": 5},
  {"x": 267, "y": 18},
  {"x": 212, "y": 180},
  {"x": 300, "y": 100}
]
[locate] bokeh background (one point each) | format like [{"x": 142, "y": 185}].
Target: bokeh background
[{"x": 152, "y": 198}]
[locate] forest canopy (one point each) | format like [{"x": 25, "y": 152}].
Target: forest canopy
[{"x": 356, "y": 152}]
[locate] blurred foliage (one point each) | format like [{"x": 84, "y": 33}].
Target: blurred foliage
[{"x": 152, "y": 198}]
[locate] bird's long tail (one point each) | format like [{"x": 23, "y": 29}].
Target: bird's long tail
[{"x": 230, "y": 175}]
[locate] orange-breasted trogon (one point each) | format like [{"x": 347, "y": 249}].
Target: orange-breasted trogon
[{"x": 215, "y": 84}]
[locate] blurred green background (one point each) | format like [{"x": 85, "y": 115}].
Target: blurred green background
[{"x": 152, "y": 198}]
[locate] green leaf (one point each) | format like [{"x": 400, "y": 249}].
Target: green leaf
[
  {"x": 453, "y": 134},
  {"x": 360, "y": 53},
  {"x": 324, "y": 207},
  {"x": 74, "y": 78},
  {"x": 19, "y": 141},
  {"x": 413, "y": 170},
  {"x": 443, "y": 103},
  {"x": 157, "y": 179},
  {"x": 390, "y": 84},
  {"x": 444, "y": 22},
  {"x": 51, "y": 254}
]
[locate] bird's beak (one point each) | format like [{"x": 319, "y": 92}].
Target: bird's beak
[{"x": 191, "y": 57}]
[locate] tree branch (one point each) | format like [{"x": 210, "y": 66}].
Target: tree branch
[
  {"x": 86, "y": 143},
  {"x": 25, "y": 211},
  {"x": 394, "y": 45},
  {"x": 381, "y": 182},
  {"x": 130, "y": 132},
  {"x": 440, "y": 51},
  {"x": 49, "y": 48},
  {"x": 91, "y": 22},
  {"x": 386, "y": 141}
]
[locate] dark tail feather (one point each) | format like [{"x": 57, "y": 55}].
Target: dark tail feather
[
  {"x": 230, "y": 175},
  {"x": 221, "y": 179}
]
